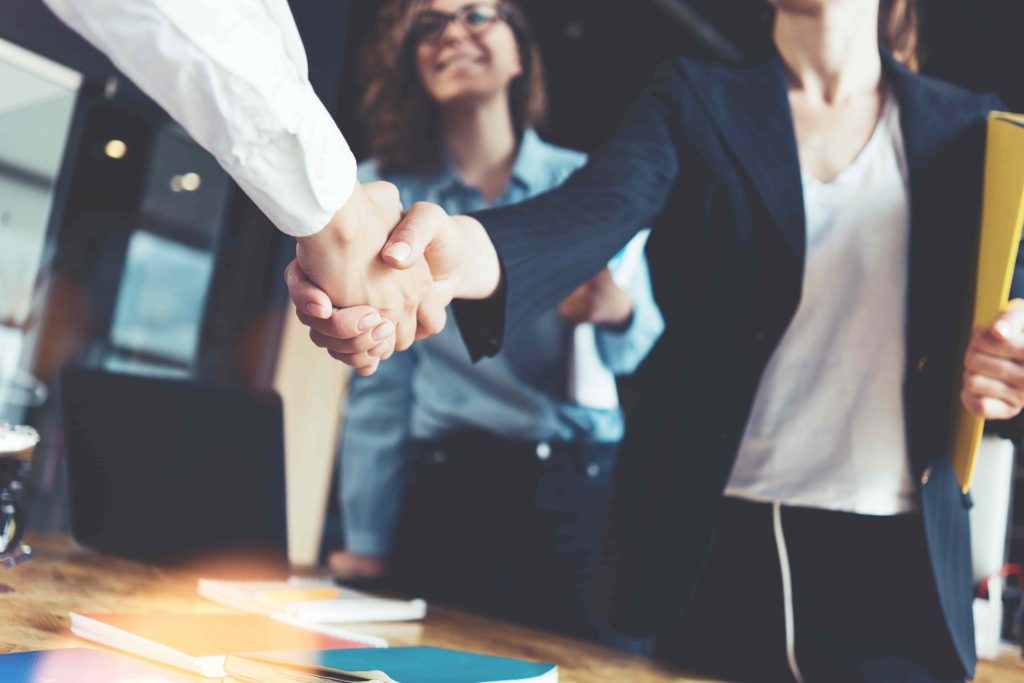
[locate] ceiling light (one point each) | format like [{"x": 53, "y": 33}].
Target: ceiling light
[
  {"x": 190, "y": 182},
  {"x": 115, "y": 149}
]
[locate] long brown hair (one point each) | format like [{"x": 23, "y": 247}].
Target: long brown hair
[
  {"x": 898, "y": 26},
  {"x": 402, "y": 120}
]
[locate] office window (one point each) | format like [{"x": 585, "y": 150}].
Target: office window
[
  {"x": 161, "y": 299},
  {"x": 169, "y": 261},
  {"x": 37, "y": 100}
]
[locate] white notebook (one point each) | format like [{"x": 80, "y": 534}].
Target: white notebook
[
  {"x": 317, "y": 601},
  {"x": 200, "y": 642}
]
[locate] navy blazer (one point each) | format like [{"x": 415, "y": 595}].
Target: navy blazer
[{"x": 708, "y": 156}]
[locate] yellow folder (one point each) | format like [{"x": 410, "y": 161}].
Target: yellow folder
[{"x": 1002, "y": 214}]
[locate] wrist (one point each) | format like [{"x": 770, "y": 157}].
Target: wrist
[
  {"x": 345, "y": 224},
  {"x": 620, "y": 314},
  {"x": 480, "y": 270}
]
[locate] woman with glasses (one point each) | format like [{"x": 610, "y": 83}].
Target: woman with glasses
[{"x": 508, "y": 470}]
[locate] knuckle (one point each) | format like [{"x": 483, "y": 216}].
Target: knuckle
[
  {"x": 423, "y": 207},
  {"x": 428, "y": 210},
  {"x": 383, "y": 188},
  {"x": 420, "y": 209},
  {"x": 340, "y": 327},
  {"x": 434, "y": 326}
]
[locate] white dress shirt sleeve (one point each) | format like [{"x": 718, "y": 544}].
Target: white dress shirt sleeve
[{"x": 233, "y": 73}]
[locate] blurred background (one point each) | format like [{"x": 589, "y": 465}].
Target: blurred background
[{"x": 124, "y": 247}]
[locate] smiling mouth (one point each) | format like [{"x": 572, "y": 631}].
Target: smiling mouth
[{"x": 460, "y": 60}]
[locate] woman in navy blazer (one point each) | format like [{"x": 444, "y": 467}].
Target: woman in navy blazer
[{"x": 711, "y": 155}]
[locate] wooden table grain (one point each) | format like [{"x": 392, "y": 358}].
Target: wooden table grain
[
  {"x": 35, "y": 599},
  {"x": 63, "y": 578}
]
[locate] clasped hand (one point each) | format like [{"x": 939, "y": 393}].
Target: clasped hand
[{"x": 360, "y": 307}]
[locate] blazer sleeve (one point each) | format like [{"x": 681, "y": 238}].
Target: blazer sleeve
[{"x": 551, "y": 244}]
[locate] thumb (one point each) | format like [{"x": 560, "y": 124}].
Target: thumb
[
  {"x": 306, "y": 296},
  {"x": 413, "y": 235},
  {"x": 1011, "y": 321}
]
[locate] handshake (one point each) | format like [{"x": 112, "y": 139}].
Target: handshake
[{"x": 376, "y": 278}]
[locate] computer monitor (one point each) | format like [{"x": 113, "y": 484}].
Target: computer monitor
[{"x": 169, "y": 469}]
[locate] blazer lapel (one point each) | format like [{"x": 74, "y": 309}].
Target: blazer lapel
[
  {"x": 932, "y": 114},
  {"x": 750, "y": 106}
]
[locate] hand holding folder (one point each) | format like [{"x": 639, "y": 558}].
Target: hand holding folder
[{"x": 1002, "y": 216}]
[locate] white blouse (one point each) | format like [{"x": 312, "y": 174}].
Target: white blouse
[{"x": 827, "y": 427}]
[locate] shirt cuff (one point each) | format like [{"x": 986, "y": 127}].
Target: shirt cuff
[
  {"x": 301, "y": 171},
  {"x": 482, "y": 322}
]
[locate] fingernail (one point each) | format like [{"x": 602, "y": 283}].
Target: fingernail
[
  {"x": 1003, "y": 328},
  {"x": 369, "y": 321},
  {"x": 318, "y": 311},
  {"x": 383, "y": 331},
  {"x": 399, "y": 251}
]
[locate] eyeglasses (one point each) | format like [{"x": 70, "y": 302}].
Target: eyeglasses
[{"x": 476, "y": 17}]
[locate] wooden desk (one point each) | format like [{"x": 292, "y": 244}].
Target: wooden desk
[{"x": 62, "y": 578}]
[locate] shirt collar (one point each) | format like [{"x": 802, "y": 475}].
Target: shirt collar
[
  {"x": 524, "y": 171},
  {"x": 529, "y": 159}
]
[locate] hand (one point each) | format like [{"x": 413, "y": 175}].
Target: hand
[
  {"x": 462, "y": 262},
  {"x": 348, "y": 566},
  {"x": 342, "y": 259},
  {"x": 994, "y": 367},
  {"x": 357, "y": 336},
  {"x": 598, "y": 301},
  {"x": 461, "y": 257}
]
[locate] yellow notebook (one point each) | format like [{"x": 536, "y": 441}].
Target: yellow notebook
[{"x": 1002, "y": 214}]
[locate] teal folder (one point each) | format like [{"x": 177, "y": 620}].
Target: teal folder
[{"x": 399, "y": 664}]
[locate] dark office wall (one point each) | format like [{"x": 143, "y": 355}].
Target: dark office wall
[
  {"x": 30, "y": 24},
  {"x": 600, "y": 53}
]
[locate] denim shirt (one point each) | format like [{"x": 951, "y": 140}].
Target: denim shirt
[{"x": 434, "y": 388}]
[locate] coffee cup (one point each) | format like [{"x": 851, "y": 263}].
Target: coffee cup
[{"x": 17, "y": 445}]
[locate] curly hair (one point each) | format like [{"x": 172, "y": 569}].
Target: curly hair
[{"x": 402, "y": 120}]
